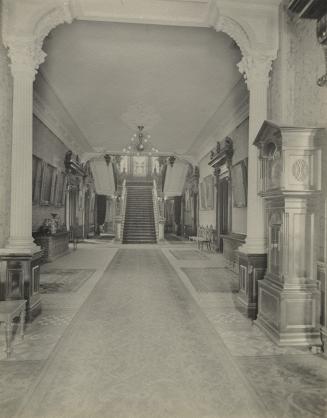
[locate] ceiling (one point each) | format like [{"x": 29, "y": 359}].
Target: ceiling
[{"x": 111, "y": 77}]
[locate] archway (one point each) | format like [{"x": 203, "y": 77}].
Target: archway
[{"x": 25, "y": 25}]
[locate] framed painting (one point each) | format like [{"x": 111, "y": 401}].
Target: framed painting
[
  {"x": 60, "y": 189},
  {"x": 47, "y": 184},
  {"x": 203, "y": 195},
  {"x": 209, "y": 187},
  {"x": 37, "y": 179},
  {"x": 239, "y": 184}
]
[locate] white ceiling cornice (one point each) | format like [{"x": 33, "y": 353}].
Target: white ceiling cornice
[
  {"x": 232, "y": 112},
  {"x": 252, "y": 24},
  {"x": 50, "y": 110}
]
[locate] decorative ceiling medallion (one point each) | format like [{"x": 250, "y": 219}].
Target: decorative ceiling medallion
[{"x": 140, "y": 111}]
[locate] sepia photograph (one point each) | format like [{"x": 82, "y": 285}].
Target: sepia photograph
[{"x": 163, "y": 209}]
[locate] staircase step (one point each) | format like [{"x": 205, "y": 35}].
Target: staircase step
[
  {"x": 139, "y": 241},
  {"x": 139, "y": 224}
]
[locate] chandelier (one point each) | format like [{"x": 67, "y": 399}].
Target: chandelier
[{"x": 140, "y": 144}]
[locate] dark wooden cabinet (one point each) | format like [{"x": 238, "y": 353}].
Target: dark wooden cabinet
[
  {"x": 53, "y": 246},
  {"x": 20, "y": 279}
]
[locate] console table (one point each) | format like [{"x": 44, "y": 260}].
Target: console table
[
  {"x": 53, "y": 246},
  {"x": 9, "y": 310}
]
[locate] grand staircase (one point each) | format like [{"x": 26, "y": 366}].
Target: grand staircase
[{"x": 139, "y": 226}]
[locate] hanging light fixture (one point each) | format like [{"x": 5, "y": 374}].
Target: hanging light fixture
[{"x": 140, "y": 144}]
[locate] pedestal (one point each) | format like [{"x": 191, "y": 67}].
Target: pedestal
[
  {"x": 289, "y": 298},
  {"x": 322, "y": 286},
  {"x": 231, "y": 244},
  {"x": 20, "y": 279},
  {"x": 118, "y": 228},
  {"x": 323, "y": 335},
  {"x": 161, "y": 229},
  {"x": 289, "y": 314},
  {"x": 252, "y": 269}
]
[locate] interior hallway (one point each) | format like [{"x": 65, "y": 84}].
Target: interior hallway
[{"x": 153, "y": 335}]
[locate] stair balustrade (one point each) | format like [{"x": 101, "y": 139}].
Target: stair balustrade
[
  {"x": 158, "y": 212},
  {"x": 155, "y": 208},
  {"x": 123, "y": 209}
]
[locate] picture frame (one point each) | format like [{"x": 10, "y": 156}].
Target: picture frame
[
  {"x": 209, "y": 186},
  {"x": 207, "y": 193},
  {"x": 47, "y": 184},
  {"x": 60, "y": 188},
  {"x": 239, "y": 184},
  {"x": 203, "y": 196},
  {"x": 37, "y": 173}
]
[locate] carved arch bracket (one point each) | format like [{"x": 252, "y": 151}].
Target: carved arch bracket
[
  {"x": 232, "y": 28},
  {"x": 25, "y": 47},
  {"x": 256, "y": 63}
]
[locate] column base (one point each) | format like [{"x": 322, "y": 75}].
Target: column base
[
  {"x": 252, "y": 268},
  {"x": 323, "y": 334},
  {"x": 19, "y": 246},
  {"x": 289, "y": 315}
]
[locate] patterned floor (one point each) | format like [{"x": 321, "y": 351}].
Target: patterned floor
[
  {"x": 188, "y": 255},
  {"x": 64, "y": 281},
  {"x": 212, "y": 279},
  {"x": 291, "y": 382},
  {"x": 154, "y": 336},
  {"x": 141, "y": 347}
]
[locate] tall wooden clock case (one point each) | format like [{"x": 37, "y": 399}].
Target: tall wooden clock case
[{"x": 288, "y": 306}]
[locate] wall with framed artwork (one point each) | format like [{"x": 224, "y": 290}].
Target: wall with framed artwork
[
  {"x": 207, "y": 194},
  {"x": 239, "y": 177},
  {"x": 237, "y": 174},
  {"x": 49, "y": 177}
]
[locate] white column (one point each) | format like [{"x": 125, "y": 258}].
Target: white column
[
  {"x": 256, "y": 71},
  {"x": 23, "y": 71}
]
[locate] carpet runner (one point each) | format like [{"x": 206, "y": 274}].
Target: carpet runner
[{"x": 141, "y": 347}]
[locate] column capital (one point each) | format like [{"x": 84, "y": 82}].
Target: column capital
[
  {"x": 25, "y": 56},
  {"x": 255, "y": 67}
]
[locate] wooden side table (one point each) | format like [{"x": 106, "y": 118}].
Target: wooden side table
[{"x": 10, "y": 309}]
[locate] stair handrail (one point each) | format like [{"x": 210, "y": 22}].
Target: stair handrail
[
  {"x": 156, "y": 209},
  {"x": 123, "y": 208}
]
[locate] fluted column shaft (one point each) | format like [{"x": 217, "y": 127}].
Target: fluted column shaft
[
  {"x": 257, "y": 78},
  {"x": 21, "y": 239}
]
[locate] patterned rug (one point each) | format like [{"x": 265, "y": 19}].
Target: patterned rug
[
  {"x": 188, "y": 255},
  {"x": 212, "y": 279},
  {"x": 172, "y": 237},
  {"x": 140, "y": 347},
  {"x": 292, "y": 386},
  {"x": 64, "y": 281},
  {"x": 175, "y": 239}
]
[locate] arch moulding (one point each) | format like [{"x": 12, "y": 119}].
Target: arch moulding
[
  {"x": 253, "y": 24},
  {"x": 25, "y": 25}
]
